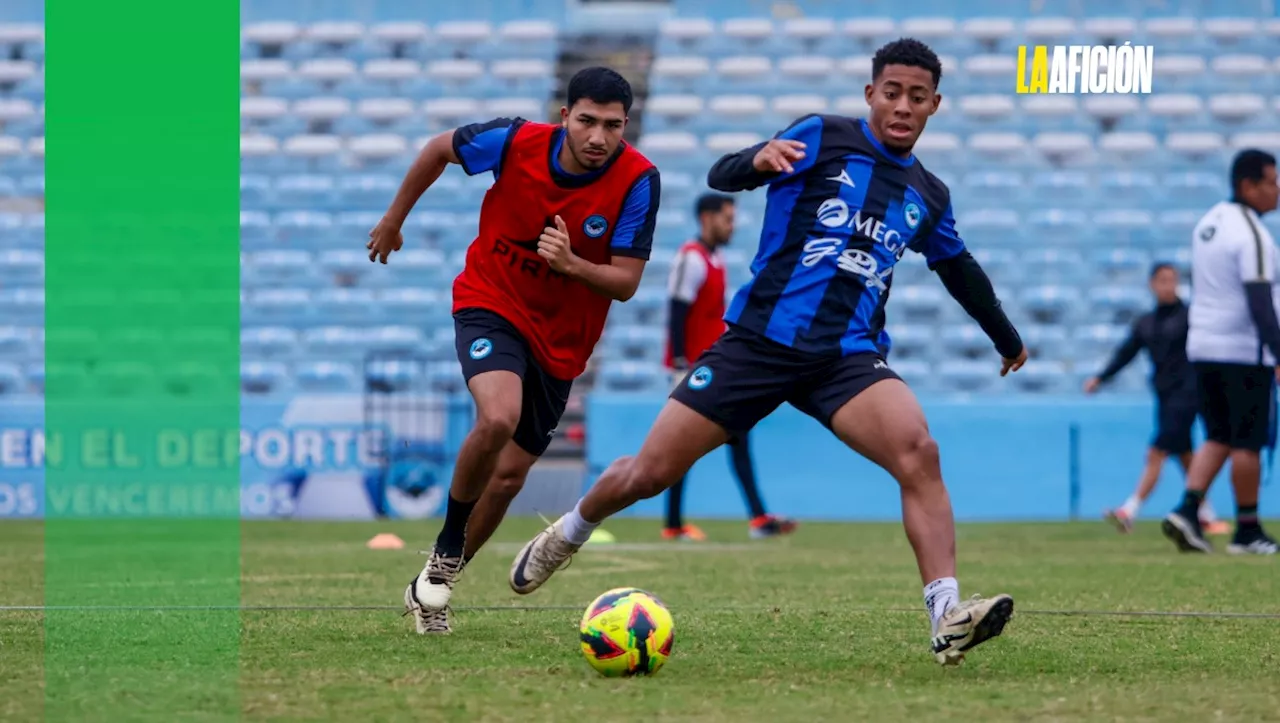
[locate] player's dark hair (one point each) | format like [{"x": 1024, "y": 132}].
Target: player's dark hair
[
  {"x": 711, "y": 203},
  {"x": 1159, "y": 266},
  {"x": 1249, "y": 165},
  {"x": 906, "y": 51},
  {"x": 600, "y": 85}
]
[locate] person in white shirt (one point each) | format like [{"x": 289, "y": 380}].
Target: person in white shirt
[{"x": 1234, "y": 343}]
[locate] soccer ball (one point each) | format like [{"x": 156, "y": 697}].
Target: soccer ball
[{"x": 627, "y": 632}]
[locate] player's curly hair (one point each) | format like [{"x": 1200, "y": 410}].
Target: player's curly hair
[
  {"x": 600, "y": 85},
  {"x": 906, "y": 51}
]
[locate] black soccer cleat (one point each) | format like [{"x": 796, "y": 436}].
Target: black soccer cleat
[{"x": 1185, "y": 533}]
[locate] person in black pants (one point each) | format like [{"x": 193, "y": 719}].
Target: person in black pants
[{"x": 1163, "y": 333}]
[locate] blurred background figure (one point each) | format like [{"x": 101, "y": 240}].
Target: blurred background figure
[
  {"x": 1162, "y": 332},
  {"x": 697, "y": 291}
]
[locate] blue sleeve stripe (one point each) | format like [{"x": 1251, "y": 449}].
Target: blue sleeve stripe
[
  {"x": 637, "y": 215},
  {"x": 483, "y": 152}
]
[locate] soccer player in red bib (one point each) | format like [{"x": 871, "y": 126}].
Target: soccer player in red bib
[
  {"x": 696, "y": 320},
  {"x": 565, "y": 230}
]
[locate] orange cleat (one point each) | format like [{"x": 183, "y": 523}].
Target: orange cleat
[{"x": 688, "y": 533}]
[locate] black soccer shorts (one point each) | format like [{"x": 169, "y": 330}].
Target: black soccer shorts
[
  {"x": 1236, "y": 402},
  {"x": 1175, "y": 418},
  {"x": 487, "y": 342},
  {"x": 743, "y": 377}
]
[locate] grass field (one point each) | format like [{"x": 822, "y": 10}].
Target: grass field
[{"x": 827, "y": 625}]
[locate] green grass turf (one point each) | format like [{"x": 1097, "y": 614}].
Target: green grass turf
[{"x": 827, "y": 625}]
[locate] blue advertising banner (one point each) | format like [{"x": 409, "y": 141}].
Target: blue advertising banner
[{"x": 311, "y": 456}]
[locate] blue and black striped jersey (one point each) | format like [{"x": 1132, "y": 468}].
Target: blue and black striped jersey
[{"x": 834, "y": 228}]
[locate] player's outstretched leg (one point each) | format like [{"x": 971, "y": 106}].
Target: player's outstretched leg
[
  {"x": 885, "y": 424},
  {"x": 498, "y": 396},
  {"x": 679, "y": 437}
]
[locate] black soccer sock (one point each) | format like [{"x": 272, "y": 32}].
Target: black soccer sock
[
  {"x": 1190, "y": 507},
  {"x": 453, "y": 534},
  {"x": 675, "y": 501},
  {"x": 1247, "y": 515},
  {"x": 740, "y": 455}
]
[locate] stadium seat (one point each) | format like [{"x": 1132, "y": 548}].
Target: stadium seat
[
  {"x": 967, "y": 375},
  {"x": 270, "y": 342},
  {"x": 22, "y": 305},
  {"x": 632, "y": 376},
  {"x": 325, "y": 376}
]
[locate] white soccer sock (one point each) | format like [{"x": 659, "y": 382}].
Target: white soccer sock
[
  {"x": 1131, "y": 507},
  {"x": 576, "y": 529},
  {"x": 939, "y": 597}
]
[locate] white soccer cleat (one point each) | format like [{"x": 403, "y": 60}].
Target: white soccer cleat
[
  {"x": 426, "y": 620},
  {"x": 969, "y": 624},
  {"x": 1252, "y": 541},
  {"x": 427, "y": 597},
  {"x": 540, "y": 559}
]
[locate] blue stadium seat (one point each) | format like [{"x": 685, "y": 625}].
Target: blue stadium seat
[
  {"x": 446, "y": 377},
  {"x": 1051, "y": 304},
  {"x": 327, "y": 376},
  {"x": 347, "y": 306},
  {"x": 343, "y": 343},
  {"x": 393, "y": 374},
  {"x": 1118, "y": 305},
  {"x": 22, "y": 305},
  {"x": 18, "y": 266},
  {"x": 1045, "y": 376},
  {"x": 633, "y": 376},
  {"x": 264, "y": 377},
  {"x": 268, "y": 342},
  {"x": 12, "y": 380},
  {"x": 913, "y": 342},
  {"x": 276, "y": 306},
  {"x": 968, "y": 375}
]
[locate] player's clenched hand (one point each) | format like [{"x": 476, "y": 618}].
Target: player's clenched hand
[
  {"x": 553, "y": 245},
  {"x": 778, "y": 155},
  {"x": 1013, "y": 365},
  {"x": 384, "y": 239}
]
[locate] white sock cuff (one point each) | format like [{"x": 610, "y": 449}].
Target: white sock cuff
[{"x": 576, "y": 529}]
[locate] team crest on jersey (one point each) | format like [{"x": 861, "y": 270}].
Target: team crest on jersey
[
  {"x": 480, "y": 348},
  {"x": 700, "y": 378},
  {"x": 912, "y": 215},
  {"x": 1207, "y": 233},
  {"x": 595, "y": 226}
]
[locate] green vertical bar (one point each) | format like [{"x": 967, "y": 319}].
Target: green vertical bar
[{"x": 142, "y": 361}]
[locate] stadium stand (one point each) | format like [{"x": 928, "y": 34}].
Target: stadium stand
[{"x": 1066, "y": 199}]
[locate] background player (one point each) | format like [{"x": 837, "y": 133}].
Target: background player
[
  {"x": 565, "y": 229},
  {"x": 847, "y": 198},
  {"x": 1163, "y": 333},
  {"x": 696, "y": 320},
  {"x": 1234, "y": 343}
]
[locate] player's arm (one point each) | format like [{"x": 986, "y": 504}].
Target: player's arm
[
  {"x": 629, "y": 248},
  {"x": 789, "y": 153},
  {"x": 1256, "y": 272},
  {"x": 478, "y": 148},
  {"x": 969, "y": 284},
  {"x": 1124, "y": 354},
  {"x": 688, "y": 274}
]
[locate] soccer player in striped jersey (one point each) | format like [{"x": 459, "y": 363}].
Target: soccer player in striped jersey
[{"x": 846, "y": 200}]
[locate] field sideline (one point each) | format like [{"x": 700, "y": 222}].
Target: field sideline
[{"x": 826, "y": 625}]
